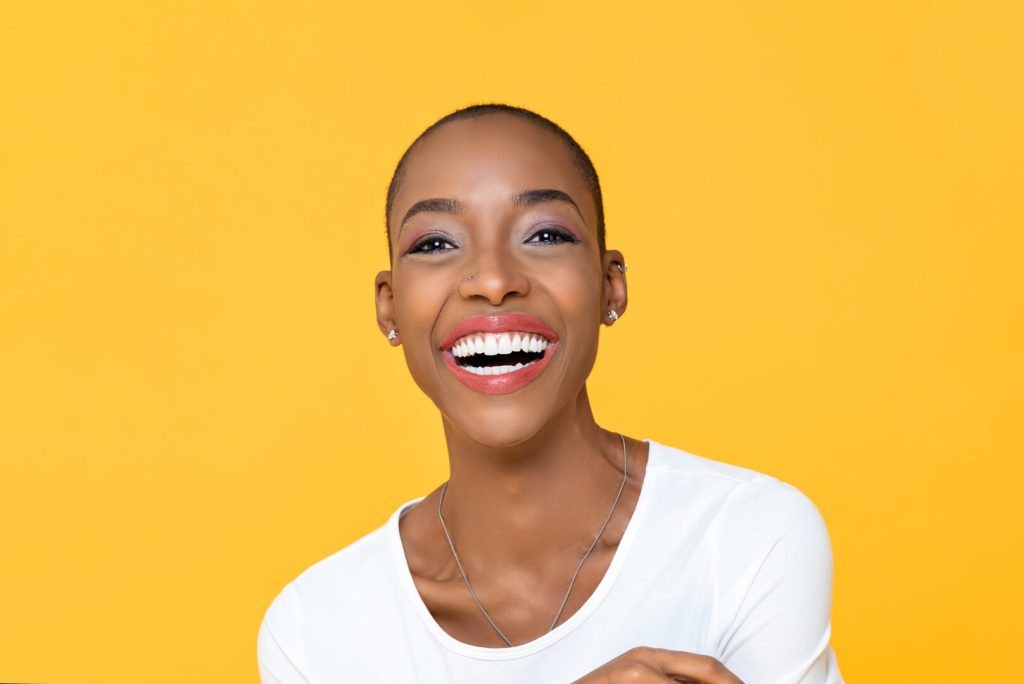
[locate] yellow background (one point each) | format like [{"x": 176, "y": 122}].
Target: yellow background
[{"x": 821, "y": 205}]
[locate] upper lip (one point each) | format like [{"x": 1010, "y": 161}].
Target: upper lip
[{"x": 510, "y": 322}]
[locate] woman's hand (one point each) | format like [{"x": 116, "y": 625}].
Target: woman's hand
[{"x": 643, "y": 665}]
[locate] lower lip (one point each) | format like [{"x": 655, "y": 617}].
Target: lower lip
[{"x": 504, "y": 383}]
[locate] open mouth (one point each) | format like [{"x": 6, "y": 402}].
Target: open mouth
[{"x": 498, "y": 353}]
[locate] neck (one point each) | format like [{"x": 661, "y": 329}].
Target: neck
[{"x": 525, "y": 504}]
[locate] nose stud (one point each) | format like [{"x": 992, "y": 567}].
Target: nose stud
[
  {"x": 393, "y": 335},
  {"x": 470, "y": 277},
  {"x": 612, "y": 315}
]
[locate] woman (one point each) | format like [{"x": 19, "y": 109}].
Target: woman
[{"x": 557, "y": 550}]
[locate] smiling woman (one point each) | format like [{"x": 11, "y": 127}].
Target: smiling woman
[{"x": 557, "y": 550}]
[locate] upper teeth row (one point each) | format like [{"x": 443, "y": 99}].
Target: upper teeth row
[{"x": 491, "y": 344}]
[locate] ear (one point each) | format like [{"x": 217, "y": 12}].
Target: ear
[
  {"x": 384, "y": 299},
  {"x": 615, "y": 299}
]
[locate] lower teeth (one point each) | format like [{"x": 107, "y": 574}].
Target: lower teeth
[{"x": 495, "y": 370}]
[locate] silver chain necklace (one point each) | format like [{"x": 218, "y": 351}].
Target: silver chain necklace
[{"x": 565, "y": 600}]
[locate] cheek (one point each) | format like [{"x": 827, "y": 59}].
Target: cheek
[
  {"x": 418, "y": 295},
  {"x": 577, "y": 291},
  {"x": 417, "y": 301}
]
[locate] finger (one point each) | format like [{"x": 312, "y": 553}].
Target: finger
[{"x": 686, "y": 667}]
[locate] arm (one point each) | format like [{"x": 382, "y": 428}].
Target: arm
[
  {"x": 774, "y": 564},
  {"x": 656, "y": 666},
  {"x": 275, "y": 665}
]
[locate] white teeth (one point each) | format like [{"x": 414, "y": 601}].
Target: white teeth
[
  {"x": 492, "y": 344},
  {"x": 496, "y": 370}
]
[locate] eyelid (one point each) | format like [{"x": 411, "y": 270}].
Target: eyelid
[
  {"x": 564, "y": 233},
  {"x": 419, "y": 241}
]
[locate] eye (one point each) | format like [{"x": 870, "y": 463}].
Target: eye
[
  {"x": 431, "y": 245},
  {"x": 551, "y": 236}
]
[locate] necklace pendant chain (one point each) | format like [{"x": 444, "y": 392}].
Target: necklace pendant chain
[{"x": 579, "y": 567}]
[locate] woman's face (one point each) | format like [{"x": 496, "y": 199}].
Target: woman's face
[{"x": 497, "y": 285}]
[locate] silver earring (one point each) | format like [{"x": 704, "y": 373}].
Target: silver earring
[
  {"x": 622, "y": 268},
  {"x": 612, "y": 315},
  {"x": 393, "y": 335}
]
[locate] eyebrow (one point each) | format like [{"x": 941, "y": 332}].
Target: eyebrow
[
  {"x": 523, "y": 200},
  {"x": 435, "y": 204},
  {"x": 529, "y": 198}
]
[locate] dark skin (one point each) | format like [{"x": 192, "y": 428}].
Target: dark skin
[{"x": 532, "y": 474}]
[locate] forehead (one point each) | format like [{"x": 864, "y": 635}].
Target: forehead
[{"x": 482, "y": 160}]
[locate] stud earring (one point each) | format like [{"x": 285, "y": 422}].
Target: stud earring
[
  {"x": 393, "y": 335},
  {"x": 612, "y": 315}
]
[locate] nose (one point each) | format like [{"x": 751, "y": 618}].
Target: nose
[{"x": 494, "y": 276}]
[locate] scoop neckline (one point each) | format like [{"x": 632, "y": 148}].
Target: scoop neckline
[{"x": 408, "y": 586}]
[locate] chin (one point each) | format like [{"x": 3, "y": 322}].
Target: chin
[
  {"x": 506, "y": 420},
  {"x": 500, "y": 426}
]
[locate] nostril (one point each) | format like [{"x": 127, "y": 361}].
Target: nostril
[{"x": 494, "y": 274}]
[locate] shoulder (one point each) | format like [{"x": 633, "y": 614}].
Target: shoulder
[
  {"x": 769, "y": 562},
  {"x": 322, "y": 600},
  {"x": 333, "y": 579},
  {"x": 666, "y": 461},
  {"x": 336, "y": 575},
  {"x": 740, "y": 508}
]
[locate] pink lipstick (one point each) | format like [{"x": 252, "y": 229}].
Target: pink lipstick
[{"x": 499, "y": 354}]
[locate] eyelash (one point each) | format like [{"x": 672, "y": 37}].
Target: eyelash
[
  {"x": 559, "y": 236},
  {"x": 433, "y": 244},
  {"x": 429, "y": 245}
]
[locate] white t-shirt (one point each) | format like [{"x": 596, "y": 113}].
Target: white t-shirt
[{"x": 716, "y": 560}]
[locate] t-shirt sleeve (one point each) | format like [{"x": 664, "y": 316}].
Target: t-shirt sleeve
[
  {"x": 775, "y": 572},
  {"x": 277, "y": 663}
]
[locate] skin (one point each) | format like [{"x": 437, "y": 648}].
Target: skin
[{"x": 523, "y": 459}]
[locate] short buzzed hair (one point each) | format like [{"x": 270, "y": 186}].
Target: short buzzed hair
[{"x": 579, "y": 156}]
